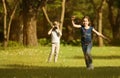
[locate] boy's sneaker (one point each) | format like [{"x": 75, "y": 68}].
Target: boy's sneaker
[{"x": 91, "y": 67}]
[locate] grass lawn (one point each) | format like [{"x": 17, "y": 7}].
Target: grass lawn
[{"x": 32, "y": 63}]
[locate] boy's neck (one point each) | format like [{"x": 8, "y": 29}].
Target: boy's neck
[{"x": 86, "y": 26}]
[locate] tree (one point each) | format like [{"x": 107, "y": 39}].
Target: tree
[
  {"x": 30, "y": 12},
  {"x": 7, "y": 26},
  {"x": 114, "y": 19},
  {"x": 98, "y": 11},
  {"x": 62, "y": 14}
]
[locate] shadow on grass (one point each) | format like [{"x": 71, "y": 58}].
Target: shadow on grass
[
  {"x": 16, "y": 71},
  {"x": 99, "y": 57}
]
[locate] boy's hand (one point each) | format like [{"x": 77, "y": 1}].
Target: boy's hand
[{"x": 108, "y": 39}]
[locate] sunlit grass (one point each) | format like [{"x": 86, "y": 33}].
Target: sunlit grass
[
  {"x": 31, "y": 62},
  {"x": 68, "y": 56}
]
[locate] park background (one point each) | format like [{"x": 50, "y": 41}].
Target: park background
[{"x": 25, "y": 44}]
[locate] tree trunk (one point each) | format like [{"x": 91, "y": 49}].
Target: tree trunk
[
  {"x": 10, "y": 21},
  {"x": 5, "y": 24},
  {"x": 118, "y": 25},
  {"x": 100, "y": 28},
  {"x": 62, "y": 14},
  {"x": 16, "y": 33},
  {"x": 69, "y": 35},
  {"x": 7, "y": 29},
  {"x": 114, "y": 22},
  {"x": 111, "y": 17},
  {"x": 29, "y": 24},
  {"x": 29, "y": 32},
  {"x": 46, "y": 15},
  {"x": 20, "y": 29},
  {"x": 100, "y": 22},
  {"x": 98, "y": 12},
  {"x": 116, "y": 30}
]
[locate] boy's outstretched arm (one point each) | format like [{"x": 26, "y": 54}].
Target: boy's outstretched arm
[{"x": 101, "y": 35}]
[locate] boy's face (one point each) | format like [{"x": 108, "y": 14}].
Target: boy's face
[
  {"x": 56, "y": 24},
  {"x": 85, "y": 21}
]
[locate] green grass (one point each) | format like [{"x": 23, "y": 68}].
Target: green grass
[{"x": 20, "y": 62}]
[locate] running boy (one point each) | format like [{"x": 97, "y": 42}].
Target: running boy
[
  {"x": 55, "y": 40},
  {"x": 86, "y": 39}
]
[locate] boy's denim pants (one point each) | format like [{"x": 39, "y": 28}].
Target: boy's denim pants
[{"x": 87, "y": 53}]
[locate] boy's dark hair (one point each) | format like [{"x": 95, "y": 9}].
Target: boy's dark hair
[{"x": 87, "y": 18}]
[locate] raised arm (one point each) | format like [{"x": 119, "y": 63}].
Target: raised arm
[
  {"x": 50, "y": 31},
  {"x": 73, "y": 23}
]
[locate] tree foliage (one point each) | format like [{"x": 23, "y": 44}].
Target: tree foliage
[{"x": 79, "y": 8}]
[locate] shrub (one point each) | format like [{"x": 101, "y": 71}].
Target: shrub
[
  {"x": 14, "y": 44},
  {"x": 43, "y": 41}
]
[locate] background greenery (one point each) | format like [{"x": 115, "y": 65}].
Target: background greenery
[{"x": 79, "y": 8}]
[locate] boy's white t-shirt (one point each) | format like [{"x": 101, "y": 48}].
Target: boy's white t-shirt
[{"x": 55, "y": 37}]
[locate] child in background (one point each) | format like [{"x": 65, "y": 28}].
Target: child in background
[
  {"x": 86, "y": 39},
  {"x": 55, "y": 40}
]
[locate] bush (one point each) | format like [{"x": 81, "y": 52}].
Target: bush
[
  {"x": 72, "y": 42},
  {"x": 14, "y": 44},
  {"x": 43, "y": 41}
]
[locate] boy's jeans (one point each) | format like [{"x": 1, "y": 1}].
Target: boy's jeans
[
  {"x": 54, "y": 51},
  {"x": 86, "y": 50}
]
